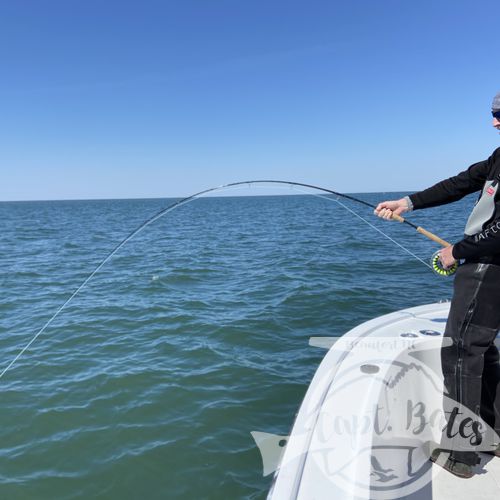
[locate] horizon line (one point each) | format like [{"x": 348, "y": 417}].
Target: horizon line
[{"x": 182, "y": 197}]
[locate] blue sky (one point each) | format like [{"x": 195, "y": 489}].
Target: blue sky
[{"x": 129, "y": 99}]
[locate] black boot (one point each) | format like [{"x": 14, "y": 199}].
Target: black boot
[{"x": 458, "y": 469}]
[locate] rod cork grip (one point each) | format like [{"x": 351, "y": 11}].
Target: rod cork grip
[
  {"x": 433, "y": 237},
  {"x": 398, "y": 218}
]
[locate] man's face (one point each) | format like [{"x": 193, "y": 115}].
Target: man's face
[{"x": 496, "y": 119}]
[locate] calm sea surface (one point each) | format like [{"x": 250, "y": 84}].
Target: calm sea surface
[{"x": 194, "y": 334}]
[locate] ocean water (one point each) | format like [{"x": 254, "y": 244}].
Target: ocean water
[{"x": 194, "y": 334}]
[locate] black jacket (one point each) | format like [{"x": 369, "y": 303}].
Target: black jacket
[{"x": 483, "y": 246}]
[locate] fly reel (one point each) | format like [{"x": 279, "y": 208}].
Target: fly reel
[{"x": 438, "y": 267}]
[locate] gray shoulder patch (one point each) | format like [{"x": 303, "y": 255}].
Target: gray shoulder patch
[{"x": 483, "y": 211}]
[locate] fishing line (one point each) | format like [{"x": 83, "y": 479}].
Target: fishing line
[
  {"x": 374, "y": 227},
  {"x": 192, "y": 197}
]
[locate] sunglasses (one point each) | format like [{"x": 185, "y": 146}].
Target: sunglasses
[{"x": 496, "y": 114}]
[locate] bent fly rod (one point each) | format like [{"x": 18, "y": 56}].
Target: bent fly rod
[
  {"x": 398, "y": 218},
  {"x": 436, "y": 264}
]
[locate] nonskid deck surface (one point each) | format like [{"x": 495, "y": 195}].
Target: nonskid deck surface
[
  {"x": 370, "y": 417},
  {"x": 485, "y": 485}
]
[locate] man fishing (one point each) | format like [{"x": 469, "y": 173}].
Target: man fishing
[{"x": 470, "y": 364}]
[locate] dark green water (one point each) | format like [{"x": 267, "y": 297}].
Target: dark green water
[{"x": 195, "y": 334}]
